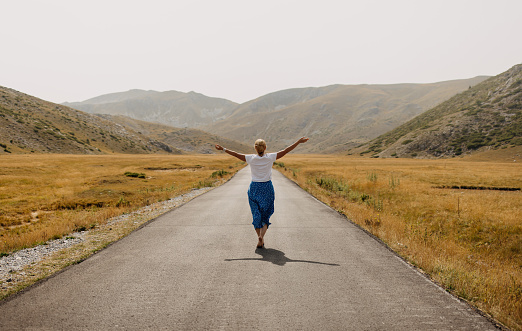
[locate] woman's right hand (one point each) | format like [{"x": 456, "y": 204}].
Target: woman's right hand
[
  {"x": 303, "y": 140},
  {"x": 219, "y": 147}
]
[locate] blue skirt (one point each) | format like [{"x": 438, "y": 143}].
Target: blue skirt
[{"x": 261, "y": 197}]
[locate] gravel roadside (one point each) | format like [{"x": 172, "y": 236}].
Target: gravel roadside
[{"x": 24, "y": 267}]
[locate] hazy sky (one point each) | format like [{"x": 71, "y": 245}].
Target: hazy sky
[{"x": 67, "y": 50}]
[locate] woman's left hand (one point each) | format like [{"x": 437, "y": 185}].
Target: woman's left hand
[{"x": 219, "y": 147}]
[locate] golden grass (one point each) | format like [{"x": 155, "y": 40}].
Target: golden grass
[
  {"x": 470, "y": 241},
  {"x": 467, "y": 240},
  {"x": 49, "y": 196}
]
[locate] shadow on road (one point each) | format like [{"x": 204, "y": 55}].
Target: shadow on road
[{"x": 277, "y": 257}]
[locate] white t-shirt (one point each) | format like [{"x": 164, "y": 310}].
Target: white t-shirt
[{"x": 261, "y": 166}]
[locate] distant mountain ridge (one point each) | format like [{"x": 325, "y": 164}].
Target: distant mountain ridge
[
  {"x": 29, "y": 124},
  {"x": 335, "y": 117},
  {"x": 114, "y": 97},
  {"x": 281, "y": 99},
  {"x": 174, "y": 108},
  {"x": 486, "y": 116},
  {"x": 32, "y": 125},
  {"x": 186, "y": 139},
  {"x": 486, "y": 113}
]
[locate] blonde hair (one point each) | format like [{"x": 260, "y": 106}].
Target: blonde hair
[{"x": 260, "y": 146}]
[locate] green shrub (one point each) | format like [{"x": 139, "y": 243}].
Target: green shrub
[
  {"x": 134, "y": 174},
  {"x": 332, "y": 184},
  {"x": 219, "y": 173},
  {"x": 372, "y": 177},
  {"x": 204, "y": 183},
  {"x": 122, "y": 202}
]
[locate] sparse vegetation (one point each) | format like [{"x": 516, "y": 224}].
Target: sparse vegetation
[
  {"x": 204, "y": 183},
  {"x": 48, "y": 196},
  {"x": 488, "y": 114},
  {"x": 470, "y": 241},
  {"x": 134, "y": 174},
  {"x": 220, "y": 173},
  {"x": 41, "y": 126}
]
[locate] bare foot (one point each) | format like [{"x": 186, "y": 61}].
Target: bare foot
[{"x": 260, "y": 242}]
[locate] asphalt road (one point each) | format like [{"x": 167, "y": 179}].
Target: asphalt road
[{"x": 197, "y": 268}]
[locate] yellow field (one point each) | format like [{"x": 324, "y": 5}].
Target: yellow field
[
  {"x": 468, "y": 240},
  {"x": 49, "y": 196}
]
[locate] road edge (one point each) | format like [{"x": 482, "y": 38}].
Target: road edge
[
  {"x": 421, "y": 272},
  {"x": 29, "y": 284}
]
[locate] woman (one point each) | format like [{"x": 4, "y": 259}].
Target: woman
[{"x": 261, "y": 194}]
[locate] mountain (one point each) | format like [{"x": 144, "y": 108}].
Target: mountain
[
  {"x": 486, "y": 116},
  {"x": 29, "y": 124},
  {"x": 174, "y": 108},
  {"x": 186, "y": 139},
  {"x": 335, "y": 117}
]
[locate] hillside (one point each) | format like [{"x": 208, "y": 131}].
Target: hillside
[
  {"x": 334, "y": 117},
  {"x": 486, "y": 116},
  {"x": 173, "y": 108},
  {"x": 29, "y": 124},
  {"x": 185, "y": 139}
]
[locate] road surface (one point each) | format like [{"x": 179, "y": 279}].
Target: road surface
[{"x": 197, "y": 268}]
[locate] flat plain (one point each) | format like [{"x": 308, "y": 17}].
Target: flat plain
[
  {"x": 197, "y": 268},
  {"x": 48, "y": 196},
  {"x": 456, "y": 219}
]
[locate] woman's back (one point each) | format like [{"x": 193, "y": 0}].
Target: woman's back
[{"x": 261, "y": 166}]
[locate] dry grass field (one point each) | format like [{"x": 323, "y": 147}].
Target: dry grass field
[
  {"x": 48, "y": 196},
  {"x": 468, "y": 240}
]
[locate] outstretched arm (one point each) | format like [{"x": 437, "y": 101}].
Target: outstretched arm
[
  {"x": 282, "y": 153},
  {"x": 228, "y": 151}
]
